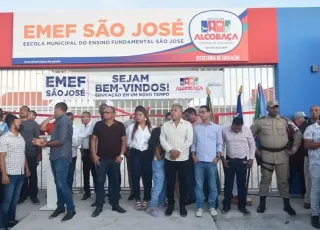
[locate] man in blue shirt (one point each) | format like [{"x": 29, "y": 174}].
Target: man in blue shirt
[
  {"x": 61, "y": 159},
  {"x": 3, "y": 129},
  {"x": 3, "y": 126},
  {"x": 206, "y": 153}
]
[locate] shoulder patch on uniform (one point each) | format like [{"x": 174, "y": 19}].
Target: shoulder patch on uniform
[
  {"x": 263, "y": 117},
  {"x": 285, "y": 118}
]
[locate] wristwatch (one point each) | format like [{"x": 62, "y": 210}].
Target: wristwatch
[{"x": 122, "y": 156}]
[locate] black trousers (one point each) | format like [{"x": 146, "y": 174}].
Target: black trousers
[
  {"x": 237, "y": 167},
  {"x": 87, "y": 167},
  {"x": 297, "y": 170},
  {"x": 1, "y": 191},
  {"x": 30, "y": 184},
  {"x": 141, "y": 162},
  {"x": 172, "y": 168},
  {"x": 191, "y": 181},
  {"x": 129, "y": 170},
  {"x": 72, "y": 168}
]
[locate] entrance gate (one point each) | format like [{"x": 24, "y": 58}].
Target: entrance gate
[{"x": 24, "y": 87}]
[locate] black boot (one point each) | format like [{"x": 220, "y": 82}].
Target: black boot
[
  {"x": 169, "y": 210},
  {"x": 315, "y": 222},
  {"x": 287, "y": 207},
  {"x": 262, "y": 205}
]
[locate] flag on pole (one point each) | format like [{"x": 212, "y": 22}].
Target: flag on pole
[
  {"x": 209, "y": 104},
  {"x": 261, "y": 105},
  {"x": 240, "y": 115},
  {"x": 206, "y": 187},
  {"x": 261, "y": 108},
  {"x": 239, "y": 105}
]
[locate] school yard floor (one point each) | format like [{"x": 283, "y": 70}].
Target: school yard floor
[{"x": 274, "y": 218}]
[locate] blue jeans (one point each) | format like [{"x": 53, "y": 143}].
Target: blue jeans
[
  {"x": 315, "y": 189},
  {"x": 206, "y": 170},
  {"x": 159, "y": 180},
  {"x": 11, "y": 194},
  {"x": 60, "y": 170},
  {"x": 112, "y": 169}
]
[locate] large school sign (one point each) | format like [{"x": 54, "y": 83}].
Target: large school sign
[
  {"x": 177, "y": 35},
  {"x": 128, "y": 85}
]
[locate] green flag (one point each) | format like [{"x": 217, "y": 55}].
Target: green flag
[
  {"x": 257, "y": 110},
  {"x": 209, "y": 105}
]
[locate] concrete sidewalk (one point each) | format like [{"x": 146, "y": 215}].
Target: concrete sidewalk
[
  {"x": 273, "y": 219},
  {"x": 32, "y": 219}
]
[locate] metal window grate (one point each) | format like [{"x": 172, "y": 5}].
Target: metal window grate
[{"x": 24, "y": 87}]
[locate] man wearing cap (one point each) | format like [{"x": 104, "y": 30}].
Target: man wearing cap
[
  {"x": 296, "y": 160},
  {"x": 275, "y": 132}
]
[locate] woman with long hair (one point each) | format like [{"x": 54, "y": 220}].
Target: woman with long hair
[
  {"x": 138, "y": 135},
  {"x": 158, "y": 173}
]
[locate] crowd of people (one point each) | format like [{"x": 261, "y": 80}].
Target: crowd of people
[{"x": 180, "y": 157}]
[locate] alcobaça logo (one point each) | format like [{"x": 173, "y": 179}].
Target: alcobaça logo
[
  {"x": 189, "y": 84},
  {"x": 215, "y": 31}
]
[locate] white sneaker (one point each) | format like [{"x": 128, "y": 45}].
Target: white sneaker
[
  {"x": 213, "y": 212},
  {"x": 199, "y": 212}
]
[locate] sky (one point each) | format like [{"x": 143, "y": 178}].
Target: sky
[{"x": 62, "y": 5}]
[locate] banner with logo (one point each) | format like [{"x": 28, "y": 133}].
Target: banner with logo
[
  {"x": 131, "y": 36},
  {"x": 133, "y": 85}
]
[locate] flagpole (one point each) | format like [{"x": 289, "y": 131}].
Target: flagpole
[
  {"x": 235, "y": 188},
  {"x": 211, "y": 108},
  {"x": 217, "y": 172},
  {"x": 240, "y": 89}
]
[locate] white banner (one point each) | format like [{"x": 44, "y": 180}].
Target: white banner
[
  {"x": 130, "y": 36},
  {"x": 133, "y": 85}
]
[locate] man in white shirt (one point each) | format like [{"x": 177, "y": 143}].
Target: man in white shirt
[
  {"x": 176, "y": 138},
  {"x": 87, "y": 164},
  {"x": 93, "y": 123},
  {"x": 76, "y": 141},
  {"x": 240, "y": 152}
]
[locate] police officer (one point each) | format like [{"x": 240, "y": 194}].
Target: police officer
[{"x": 275, "y": 133}]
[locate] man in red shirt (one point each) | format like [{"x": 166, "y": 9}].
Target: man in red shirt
[{"x": 46, "y": 126}]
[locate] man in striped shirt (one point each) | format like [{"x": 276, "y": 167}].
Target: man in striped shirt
[
  {"x": 14, "y": 168},
  {"x": 240, "y": 152}
]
